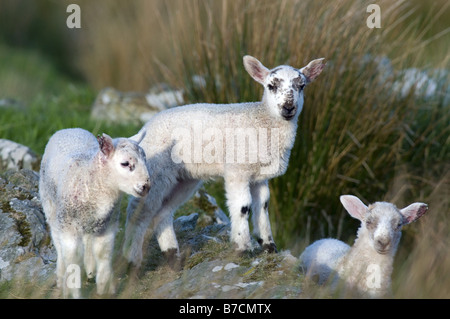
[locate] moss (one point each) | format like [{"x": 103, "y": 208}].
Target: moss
[
  {"x": 263, "y": 270},
  {"x": 36, "y": 166},
  {"x": 24, "y": 181},
  {"x": 47, "y": 240},
  {"x": 202, "y": 206},
  {"x": 203, "y": 203},
  {"x": 208, "y": 252},
  {"x": 24, "y": 257},
  {"x": 23, "y": 227}
]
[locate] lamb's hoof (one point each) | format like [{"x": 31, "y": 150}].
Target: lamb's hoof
[
  {"x": 270, "y": 248},
  {"x": 125, "y": 268},
  {"x": 173, "y": 259}
]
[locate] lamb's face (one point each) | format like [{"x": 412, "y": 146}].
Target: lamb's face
[
  {"x": 283, "y": 85},
  {"x": 384, "y": 222},
  {"x": 284, "y": 91},
  {"x": 129, "y": 168}
]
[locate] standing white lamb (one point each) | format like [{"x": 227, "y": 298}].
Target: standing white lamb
[
  {"x": 81, "y": 179},
  {"x": 245, "y": 143},
  {"x": 366, "y": 267}
]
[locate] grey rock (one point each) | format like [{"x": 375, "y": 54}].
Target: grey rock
[
  {"x": 186, "y": 223},
  {"x": 114, "y": 106},
  {"x": 26, "y": 250},
  {"x": 15, "y": 156},
  {"x": 220, "y": 216},
  {"x": 8, "y": 103},
  {"x": 227, "y": 279}
]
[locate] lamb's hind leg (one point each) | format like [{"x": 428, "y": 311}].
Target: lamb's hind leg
[
  {"x": 103, "y": 249},
  {"x": 165, "y": 233},
  {"x": 239, "y": 202},
  {"x": 70, "y": 267},
  {"x": 148, "y": 214},
  {"x": 89, "y": 258},
  {"x": 260, "y": 216}
]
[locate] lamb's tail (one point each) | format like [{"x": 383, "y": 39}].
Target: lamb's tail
[{"x": 139, "y": 136}]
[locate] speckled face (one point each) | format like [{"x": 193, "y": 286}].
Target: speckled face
[
  {"x": 384, "y": 223},
  {"x": 284, "y": 90}
]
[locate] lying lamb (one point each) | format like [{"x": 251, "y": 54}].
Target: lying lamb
[
  {"x": 245, "y": 143},
  {"x": 367, "y": 265},
  {"x": 81, "y": 178}
]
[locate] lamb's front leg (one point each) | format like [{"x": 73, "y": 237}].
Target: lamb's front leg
[
  {"x": 167, "y": 239},
  {"x": 260, "y": 216},
  {"x": 239, "y": 201}
]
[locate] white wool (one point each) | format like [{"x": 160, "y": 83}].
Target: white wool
[
  {"x": 366, "y": 267},
  {"x": 245, "y": 143},
  {"x": 80, "y": 182}
]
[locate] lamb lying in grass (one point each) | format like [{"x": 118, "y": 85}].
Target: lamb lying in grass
[
  {"x": 245, "y": 143},
  {"x": 367, "y": 265},
  {"x": 80, "y": 182}
]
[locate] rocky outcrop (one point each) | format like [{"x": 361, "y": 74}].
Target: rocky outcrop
[
  {"x": 14, "y": 156},
  {"x": 114, "y": 106},
  {"x": 210, "y": 266},
  {"x": 26, "y": 251}
]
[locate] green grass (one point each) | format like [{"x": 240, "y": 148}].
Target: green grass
[{"x": 45, "y": 101}]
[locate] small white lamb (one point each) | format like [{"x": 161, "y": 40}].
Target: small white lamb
[
  {"x": 366, "y": 266},
  {"x": 81, "y": 179},
  {"x": 245, "y": 143}
]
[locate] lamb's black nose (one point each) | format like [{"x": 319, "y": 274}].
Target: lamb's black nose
[
  {"x": 288, "y": 110},
  {"x": 145, "y": 188},
  {"x": 383, "y": 243}
]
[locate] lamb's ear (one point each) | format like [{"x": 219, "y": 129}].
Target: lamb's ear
[
  {"x": 413, "y": 212},
  {"x": 354, "y": 206},
  {"x": 106, "y": 144},
  {"x": 256, "y": 69},
  {"x": 313, "y": 69},
  {"x": 139, "y": 136}
]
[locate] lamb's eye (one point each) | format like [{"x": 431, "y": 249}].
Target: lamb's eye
[
  {"x": 128, "y": 165},
  {"x": 272, "y": 87},
  {"x": 299, "y": 84}
]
